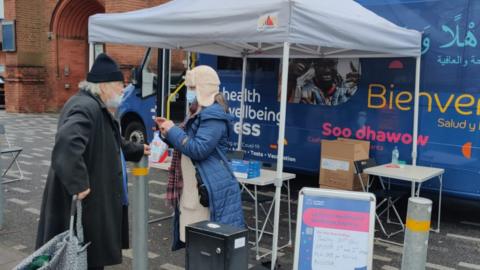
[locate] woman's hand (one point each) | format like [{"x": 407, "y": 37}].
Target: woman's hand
[
  {"x": 159, "y": 121},
  {"x": 164, "y": 125}
]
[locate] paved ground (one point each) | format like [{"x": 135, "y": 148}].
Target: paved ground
[
  {"x": 456, "y": 247},
  {"x": 10, "y": 257}
]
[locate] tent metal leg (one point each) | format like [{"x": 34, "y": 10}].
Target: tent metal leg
[
  {"x": 281, "y": 146},
  {"x": 256, "y": 224}
]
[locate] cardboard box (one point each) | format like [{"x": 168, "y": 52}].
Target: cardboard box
[
  {"x": 327, "y": 187},
  {"x": 336, "y": 188},
  {"x": 336, "y": 164}
]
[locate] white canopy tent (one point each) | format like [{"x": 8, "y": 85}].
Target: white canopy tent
[{"x": 265, "y": 29}]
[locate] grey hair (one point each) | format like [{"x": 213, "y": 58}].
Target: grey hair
[{"x": 93, "y": 88}]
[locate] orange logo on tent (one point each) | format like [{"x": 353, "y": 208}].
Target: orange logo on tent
[
  {"x": 269, "y": 21},
  {"x": 467, "y": 150}
]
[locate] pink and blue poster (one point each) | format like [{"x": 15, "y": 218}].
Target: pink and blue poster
[{"x": 335, "y": 234}]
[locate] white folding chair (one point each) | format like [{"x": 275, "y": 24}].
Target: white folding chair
[{"x": 7, "y": 149}]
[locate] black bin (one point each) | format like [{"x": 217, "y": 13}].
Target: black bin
[{"x": 211, "y": 245}]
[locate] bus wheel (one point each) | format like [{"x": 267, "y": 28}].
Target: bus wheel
[{"x": 135, "y": 132}]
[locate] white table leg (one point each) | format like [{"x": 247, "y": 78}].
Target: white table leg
[
  {"x": 413, "y": 189},
  {"x": 389, "y": 201},
  {"x": 440, "y": 178},
  {"x": 256, "y": 224},
  {"x": 418, "y": 190},
  {"x": 289, "y": 214}
]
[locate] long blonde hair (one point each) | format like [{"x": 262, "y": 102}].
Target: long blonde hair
[{"x": 220, "y": 99}]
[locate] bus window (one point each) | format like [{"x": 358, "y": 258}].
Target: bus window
[
  {"x": 257, "y": 64},
  {"x": 229, "y": 63},
  {"x": 149, "y": 74}
]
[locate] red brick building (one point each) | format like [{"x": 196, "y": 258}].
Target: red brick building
[{"x": 51, "y": 54}]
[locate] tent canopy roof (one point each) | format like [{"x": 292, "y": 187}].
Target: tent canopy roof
[{"x": 258, "y": 28}]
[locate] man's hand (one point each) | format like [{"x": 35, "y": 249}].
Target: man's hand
[
  {"x": 146, "y": 150},
  {"x": 83, "y": 194}
]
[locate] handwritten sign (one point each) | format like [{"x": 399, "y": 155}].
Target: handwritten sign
[{"x": 334, "y": 230}]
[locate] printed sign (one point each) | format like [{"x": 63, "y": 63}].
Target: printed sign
[
  {"x": 334, "y": 230},
  {"x": 334, "y": 165}
]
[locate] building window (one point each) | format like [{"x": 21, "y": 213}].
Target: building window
[{"x": 8, "y": 36}]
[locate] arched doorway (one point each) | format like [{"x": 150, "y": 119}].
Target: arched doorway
[{"x": 69, "y": 54}]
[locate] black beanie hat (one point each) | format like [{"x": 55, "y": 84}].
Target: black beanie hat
[{"x": 104, "y": 69}]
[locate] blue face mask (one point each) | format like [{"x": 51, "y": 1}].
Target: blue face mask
[
  {"x": 114, "y": 102},
  {"x": 191, "y": 96}
]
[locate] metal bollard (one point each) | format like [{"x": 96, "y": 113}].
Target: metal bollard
[
  {"x": 415, "y": 245},
  {"x": 140, "y": 215},
  {"x": 2, "y": 204}
]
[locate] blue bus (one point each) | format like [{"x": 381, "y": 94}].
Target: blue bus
[{"x": 368, "y": 99}]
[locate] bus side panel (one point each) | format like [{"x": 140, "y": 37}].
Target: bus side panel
[
  {"x": 143, "y": 107},
  {"x": 381, "y": 110},
  {"x": 450, "y": 102}
]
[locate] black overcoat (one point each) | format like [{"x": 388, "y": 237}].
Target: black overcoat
[{"x": 86, "y": 155}]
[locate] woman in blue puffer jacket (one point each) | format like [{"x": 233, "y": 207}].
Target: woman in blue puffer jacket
[{"x": 203, "y": 143}]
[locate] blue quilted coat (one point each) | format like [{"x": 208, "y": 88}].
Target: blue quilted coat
[{"x": 205, "y": 142}]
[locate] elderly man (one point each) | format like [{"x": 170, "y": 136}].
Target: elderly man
[{"x": 88, "y": 160}]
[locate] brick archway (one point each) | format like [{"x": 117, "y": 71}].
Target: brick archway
[{"x": 69, "y": 48}]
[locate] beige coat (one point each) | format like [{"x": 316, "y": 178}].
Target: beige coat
[{"x": 191, "y": 211}]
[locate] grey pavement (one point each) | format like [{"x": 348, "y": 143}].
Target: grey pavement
[
  {"x": 457, "y": 246},
  {"x": 9, "y": 257}
]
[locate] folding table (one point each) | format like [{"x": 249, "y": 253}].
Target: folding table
[{"x": 414, "y": 175}]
